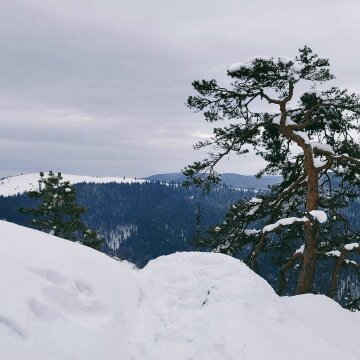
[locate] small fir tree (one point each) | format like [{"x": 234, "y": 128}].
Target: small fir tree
[
  {"x": 310, "y": 139},
  {"x": 57, "y": 211}
]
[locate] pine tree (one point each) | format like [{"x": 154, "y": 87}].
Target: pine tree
[
  {"x": 310, "y": 140},
  {"x": 57, "y": 211}
]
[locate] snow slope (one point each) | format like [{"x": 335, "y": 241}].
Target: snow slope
[
  {"x": 22, "y": 183},
  {"x": 61, "y": 300}
]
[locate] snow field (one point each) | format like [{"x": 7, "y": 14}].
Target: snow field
[{"x": 61, "y": 300}]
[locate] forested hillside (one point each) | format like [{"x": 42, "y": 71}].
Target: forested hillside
[{"x": 143, "y": 221}]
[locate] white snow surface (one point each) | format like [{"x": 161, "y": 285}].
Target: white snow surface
[
  {"x": 28, "y": 182},
  {"x": 283, "y": 222},
  {"x": 300, "y": 250},
  {"x": 336, "y": 253},
  {"x": 318, "y": 163},
  {"x": 251, "y": 231},
  {"x": 319, "y": 215},
  {"x": 235, "y": 67},
  {"x": 255, "y": 208},
  {"x": 288, "y": 121},
  {"x": 323, "y": 147},
  {"x": 248, "y": 63},
  {"x": 61, "y": 300},
  {"x": 255, "y": 200},
  {"x": 303, "y": 135},
  {"x": 351, "y": 247}
]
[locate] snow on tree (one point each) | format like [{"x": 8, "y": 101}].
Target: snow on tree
[
  {"x": 57, "y": 211},
  {"x": 310, "y": 140}
]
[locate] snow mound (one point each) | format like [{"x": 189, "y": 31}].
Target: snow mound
[
  {"x": 61, "y": 300},
  {"x": 22, "y": 183}
]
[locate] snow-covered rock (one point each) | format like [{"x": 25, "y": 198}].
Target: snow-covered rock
[
  {"x": 22, "y": 183},
  {"x": 61, "y": 300}
]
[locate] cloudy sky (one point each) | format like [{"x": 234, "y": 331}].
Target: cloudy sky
[{"x": 98, "y": 87}]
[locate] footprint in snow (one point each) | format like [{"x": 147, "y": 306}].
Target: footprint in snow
[
  {"x": 12, "y": 328},
  {"x": 62, "y": 295}
]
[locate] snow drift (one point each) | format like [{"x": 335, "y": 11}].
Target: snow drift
[{"x": 61, "y": 300}]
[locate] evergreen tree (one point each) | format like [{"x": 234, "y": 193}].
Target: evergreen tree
[
  {"x": 58, "y": 213},
  {"x": 310, "y": 140}
]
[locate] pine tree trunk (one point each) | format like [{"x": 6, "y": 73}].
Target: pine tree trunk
[
  {"x": 308, "y": 267},
  {"x": 336, "y": 272}
]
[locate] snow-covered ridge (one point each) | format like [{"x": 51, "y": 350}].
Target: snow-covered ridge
[
  {"x": 22, "y": 183},
  {"x": 60, "y": 300}
]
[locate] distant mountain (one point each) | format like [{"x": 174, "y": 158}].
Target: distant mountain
[
  {"x": 22, "y": 183},
  {"x": 170, "y": 177},
  {"x": 229, "y": 179}
]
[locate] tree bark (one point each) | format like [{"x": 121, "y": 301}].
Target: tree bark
[
  {"x": 308, "y": 268},
  {"x": 257, "y": 251},
  {"x": 336, "y": 272}
]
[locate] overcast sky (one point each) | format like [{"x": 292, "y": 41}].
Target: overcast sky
[{"x": 98, "y": 87}]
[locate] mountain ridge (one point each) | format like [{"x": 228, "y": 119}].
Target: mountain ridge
[
  {"x": 19, "y": 184},
  {"x": 230, "y": 179}
]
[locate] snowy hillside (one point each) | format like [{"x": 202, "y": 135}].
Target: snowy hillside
[
  {"x": 22, "y": 183},
  {"x": 61, "y": 300}
]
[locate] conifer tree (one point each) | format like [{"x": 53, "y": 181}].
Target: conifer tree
[
  {"x": 308, "y": 137},
  {"x": 57, "y": 211}
]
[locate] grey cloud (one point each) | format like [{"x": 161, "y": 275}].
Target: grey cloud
[{"x": 99, "y": 87}]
